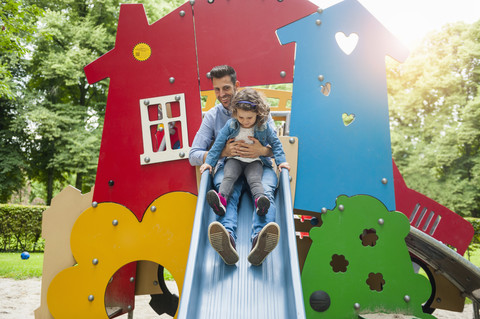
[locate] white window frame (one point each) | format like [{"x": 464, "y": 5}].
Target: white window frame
[{"x": 169, "y": 154}]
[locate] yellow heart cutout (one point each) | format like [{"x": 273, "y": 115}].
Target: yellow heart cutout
[{"x": 348, "y": 119}]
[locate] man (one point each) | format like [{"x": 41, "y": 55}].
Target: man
[{"x": 222, "y": 233}]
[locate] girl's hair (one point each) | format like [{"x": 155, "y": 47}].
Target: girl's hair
[{"x": 250, "y": 100}]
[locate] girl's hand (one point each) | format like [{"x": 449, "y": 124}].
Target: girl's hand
[
  {"x": 284, "y": 165},
  {"x": 204, "y": 167}
]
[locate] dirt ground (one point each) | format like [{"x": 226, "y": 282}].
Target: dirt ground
[{"x": 19, "y": 298}]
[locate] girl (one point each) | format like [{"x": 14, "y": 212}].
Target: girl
[{"x": 249, "y": 119}]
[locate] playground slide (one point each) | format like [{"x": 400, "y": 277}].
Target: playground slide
[
  {"x": 214, "y": 290},
  {"x": 458, "y": 270}
]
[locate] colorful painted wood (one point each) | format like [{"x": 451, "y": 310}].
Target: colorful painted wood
[
  {"x": 340, "y": 107},
  {"x": 359, "y": 261}
]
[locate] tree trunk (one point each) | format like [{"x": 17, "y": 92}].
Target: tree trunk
[
  {"x": 79, "y": 181},
  {"x": 49, "y": 187}
]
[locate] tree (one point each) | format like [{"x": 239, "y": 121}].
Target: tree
[{"x": 435, "y": 117}]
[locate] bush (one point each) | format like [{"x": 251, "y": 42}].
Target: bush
[{"x": 21, "y": 228}]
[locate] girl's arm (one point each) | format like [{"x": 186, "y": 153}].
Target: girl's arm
[{"x": 214, "y": 153}]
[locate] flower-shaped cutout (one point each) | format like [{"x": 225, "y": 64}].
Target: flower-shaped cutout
[{"x": 339, "y": 263}]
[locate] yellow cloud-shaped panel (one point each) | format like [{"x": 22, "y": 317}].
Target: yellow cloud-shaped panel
[{"x": 112, "y": 234}]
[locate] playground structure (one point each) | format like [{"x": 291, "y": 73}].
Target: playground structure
[{"x": 345, "y": 248}]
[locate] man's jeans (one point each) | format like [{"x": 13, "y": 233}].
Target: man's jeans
[{"x": 229, "y": 220}]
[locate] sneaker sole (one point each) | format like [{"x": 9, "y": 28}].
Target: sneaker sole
[
  {"x": 267, "y": 241},
  {"x": 220, "y": 240},
  {"x": 263, "y": 204},
  {"x": 214, "y": 202}
]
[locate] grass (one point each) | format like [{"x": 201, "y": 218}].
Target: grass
[{"x": 13, "y": 266}]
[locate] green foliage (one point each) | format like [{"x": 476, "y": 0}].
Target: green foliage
[
  {"x": 12, "y": 266},
  {"x": 21, "y": 228},
  {"x": 435, "y": 117}
]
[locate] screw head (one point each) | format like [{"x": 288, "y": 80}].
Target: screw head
[
  {"x": 321, "y": 78},
  {"x": 146, "y": 102},
  {"x": 319, "y": 10},
  {"x": 291, "y": 140},
  {"x": 153, "y": 209},
  {"x": 94, "y": 204},
  {"x": 171, "y": 79},
  {"x": 406, "y": 298},
  {"x": 384, "y": 181},
  {"x": 115, "y": 222},
  {"x": 318, "y": 22},
  {"x": 91, "y": 297},
  {"x": 356, "y": 306},
  {"x": 182, "y": 13},
  {"x": 132, "y": 279},
  {"x": 181, "y": 154},
  {"x": 341, "y": 208},
  {"x": 111, "y": 182},
  {"x": 192, "y": 2},
  {"x": 381, "y": 221},
  {"x": 155, "y": 283},
  {"x": 283, "y": 74},
  {"x": 95, "y": 261},
  {"x": 324, "y": 210},
  {"x": 178, "y": 97},
  {"x": 209, "y": 76},
  {"x": 129, "y": 307},
  {"x": 146, "y": 159}
]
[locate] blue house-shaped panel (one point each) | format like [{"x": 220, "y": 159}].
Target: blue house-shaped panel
[{"x": 330, "y": 86}]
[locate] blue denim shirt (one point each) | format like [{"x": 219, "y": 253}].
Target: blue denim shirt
[
  {"x": 265, "y": 134},
  {"x": 213, "y": 122}
]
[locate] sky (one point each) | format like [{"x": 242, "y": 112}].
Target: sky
[{"x": 411, "y": 20}]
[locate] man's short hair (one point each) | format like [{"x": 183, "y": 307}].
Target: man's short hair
[{"x": 220, "y": 71}]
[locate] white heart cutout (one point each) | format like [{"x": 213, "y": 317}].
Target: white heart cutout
[{"x": 347, "y": 43}]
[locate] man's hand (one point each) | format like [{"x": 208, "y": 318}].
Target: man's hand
[
  {"x": 230, "y": 149},
  {"x": 253, "y": 150}
]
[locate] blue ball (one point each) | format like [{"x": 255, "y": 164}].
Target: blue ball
[{"x": 25, "y": 255}]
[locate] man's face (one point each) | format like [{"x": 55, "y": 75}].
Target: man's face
[{"x": 224, "y": 89}]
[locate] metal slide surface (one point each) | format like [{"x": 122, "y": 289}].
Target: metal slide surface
[{"x": 213, "y": 289}]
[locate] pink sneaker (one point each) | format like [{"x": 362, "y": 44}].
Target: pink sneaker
[
  {"x": 217, "y": 202},
  {"x": 262, "y": 204}
]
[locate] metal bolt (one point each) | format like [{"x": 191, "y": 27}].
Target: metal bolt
[
  {"x": 324, "y": 210},
  {"x": 95, "y": 261},
  {"x": 356, "y": 306},
  {"x": 406, "y": 298},
  {"x": 147, "y": 159},
  {"x": 171, "y": 79},
  {"x": 155, "y": 283},
  {"x": 321, "y": 78},
  {"x": 341, "y": 208},
  {"x": 146, "y": 102},
  {"x": 439, "y": 300},
  {"x": 318, "y": 22},
  {"x": 280, "y": 0},
  {"x": 320, "y": 10},
  {"x": 290, "y": 178},
  {"x": 132, "y": 279},
  {"x": 182, "y": 13},
  {"x": 115, "y": 222},
  {"x": 178, "y": 97},
  {"x": 210, "y": 1},
  {"x": 94, "y": 204},
  {"x": 91, "y": 297},
  {"x": 129, "y": 307},
  {"x": 384, "y": 181},
  {"x": 111, "y": 182},
  {"x": 192, "y": 2},
  {"x": 153, "y": 209},
  {"x": 181, "y": 154},
  {"x": 291, "y": 140},
  {"x": 381, "y": 221},
  {"x": 209, "y": 76},
  {"x": 283, "y": 74}
]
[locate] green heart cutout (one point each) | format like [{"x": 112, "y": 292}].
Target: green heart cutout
[{"x": 348, "y": 119}]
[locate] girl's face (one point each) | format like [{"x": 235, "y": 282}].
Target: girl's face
[{"x": 246, "y": 119}]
